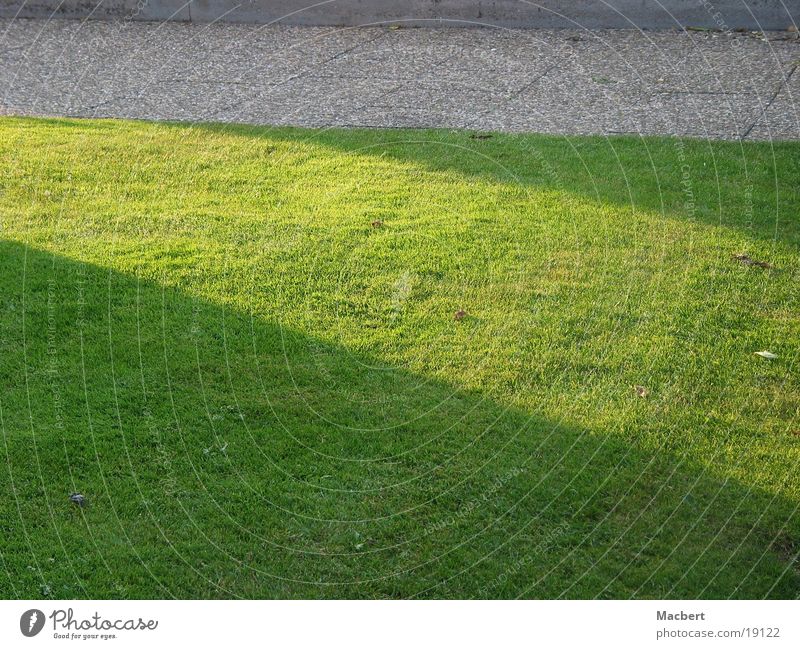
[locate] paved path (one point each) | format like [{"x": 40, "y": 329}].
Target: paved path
[{"x": 705, "y": 84}]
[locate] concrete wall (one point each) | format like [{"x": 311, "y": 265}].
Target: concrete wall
[{"x": 648, "y": 14}]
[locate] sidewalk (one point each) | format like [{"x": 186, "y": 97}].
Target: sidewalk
[{"x": 703, "y": 84}]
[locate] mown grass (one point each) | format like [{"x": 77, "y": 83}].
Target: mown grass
[{"x": 240, "y": 345}]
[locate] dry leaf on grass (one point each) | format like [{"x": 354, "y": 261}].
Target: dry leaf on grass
[
  {"x": 746, "y": 260},
  {"x": 766, "y": 354}
]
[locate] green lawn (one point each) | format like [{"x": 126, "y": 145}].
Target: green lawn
[{"x": 240, "y": 345}]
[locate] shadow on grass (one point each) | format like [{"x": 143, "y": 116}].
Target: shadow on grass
[
  {"x": 746, "y": 188},
  {"x": 224, "y": 455},
  {"x": 680, "y": 178}
]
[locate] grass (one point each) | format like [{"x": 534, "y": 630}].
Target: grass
[{"x": 239, "y": 345}]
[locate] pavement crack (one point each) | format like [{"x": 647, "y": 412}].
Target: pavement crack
[
  {"x": 407, "y": 78},
  {"x": 683, "y": 93},
  {"x": 325, "y": 62},
  {"x": 516, "y": 93},
  {"x": 784, "y": 82}
]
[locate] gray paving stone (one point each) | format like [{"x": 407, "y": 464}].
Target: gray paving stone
[
  {"x": 405, "y": 117},
  {"x": 688, "y": 62},
  {"x": 702, "y": 84},
  {"x": 558, "y": 105},
  {"x": 717, "y": 116},
  {"x": 781, "y": 119},
  {"x": 788, "y": 131},
  {"x": 382, "y": 59}
]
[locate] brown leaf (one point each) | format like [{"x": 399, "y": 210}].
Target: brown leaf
[{"x": 746, "y": 260}]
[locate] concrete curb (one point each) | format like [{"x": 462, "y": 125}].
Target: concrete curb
[{"x": 593, "y": 14}]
